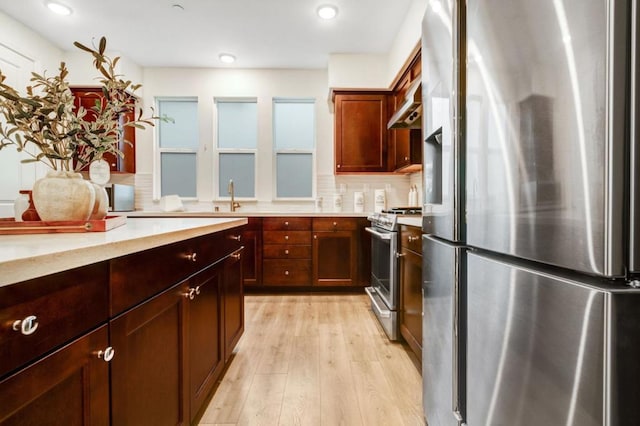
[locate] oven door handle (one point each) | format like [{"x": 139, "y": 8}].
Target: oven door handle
[{"x": 381, "y": 235}]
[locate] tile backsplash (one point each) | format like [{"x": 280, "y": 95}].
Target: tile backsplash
[{"x": 396, "y": 190}]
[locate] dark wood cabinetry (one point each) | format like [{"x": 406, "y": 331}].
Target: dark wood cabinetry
[
  {"x": 68, "y": 387},
  {"x": 335, "y": 252},
  {"x": 148, "y": 372},
  {"x": 252, "y": 254},
  {"x": 87, "y": 97},
  {"x": 172, "y": 316},
  {"x": 411, "y": 287},
  {"x": 360, "y": 133},
  {"x": 286, "y": 251}
]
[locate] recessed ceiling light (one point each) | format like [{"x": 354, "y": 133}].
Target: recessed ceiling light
[
  {"x": 58, "y": 8},
  {"x": 227, "y": 58},
  {"x": 327, "y": 11}
]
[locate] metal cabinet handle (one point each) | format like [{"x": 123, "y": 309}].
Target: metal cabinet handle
[
  {"x": 192, "y": 257},
  {"x": 26, "y": 326},
  {"x": 315, "y": 237},
  {"x": 236, "y": 256},
  {"x": 335, "y": 223},
  {"x": 107, "y": 354},
  {"x": 286, "y": 223},
  {"x": 339, "y": 166},
  {"x": 197, "y": 290},
  {"x": 191, "y": 294},
  {"x": 286, "y": 272},
  {"x": 286, "y": 237},
  {"x": 286, "y": 252},
  {"x": 235, "y": 237},
  {"x": 399, "y": 255},
  {"x": 413, "y": 238}
]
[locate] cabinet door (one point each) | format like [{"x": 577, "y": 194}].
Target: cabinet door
[
  {"x": 147, "y": 376},
  {"x": 68, "y": 387},
  {"x": 334, "y": 258},
  {"x": 252, "y": 257},
  {"x": 411, "y": 300},
  {"x": 233, "y": 299},
  {"x": 361, "y": 133},
  {"x": 205, "y": 352}
]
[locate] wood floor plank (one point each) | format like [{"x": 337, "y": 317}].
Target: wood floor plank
[
  {"x": 316, "y": 359},
  {"x": 301, "y": 403},
  {"x": 264, "y": 402}
]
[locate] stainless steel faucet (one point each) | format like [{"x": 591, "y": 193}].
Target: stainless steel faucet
[{"x": 231, "y": 191}]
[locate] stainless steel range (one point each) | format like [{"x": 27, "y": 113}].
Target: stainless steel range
[{"x": 384, "y": 291}]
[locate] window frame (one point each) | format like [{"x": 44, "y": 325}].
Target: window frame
[
  {"x": 276, "y": 151},
  {"x": 217, "y": 150},
  {"x": 157, "y": 184}
]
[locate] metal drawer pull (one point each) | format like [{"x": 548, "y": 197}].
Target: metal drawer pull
[
  {"x": 399, "y": 255},
  {"x": 335, "y": 223},
  {"x": 286, "y": 252},
  {"x": 286, "y": 224},
  {"x": 26, "y": 326},
  {"x": 192, "y": 257},
  {"x": 191, "y": 294},
  {"x": 286, "y": 272},
  {"x": 286, "y": 237},
  {"x": 197, "y": 290},
  {"x": 236, "y": 256},
  {"x": 107, "y": 354},
  {"x": 413, "y": 238},
  {"x": 235, "y": 237}
]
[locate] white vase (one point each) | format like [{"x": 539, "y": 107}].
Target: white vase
[
  {"x": 101, "y": 204},
  {"x": 63, "y": 196}
]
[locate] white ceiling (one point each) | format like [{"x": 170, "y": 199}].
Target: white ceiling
[{"x": 260, "y": 33}]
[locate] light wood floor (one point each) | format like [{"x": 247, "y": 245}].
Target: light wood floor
[{"x": 316, "y": 360}]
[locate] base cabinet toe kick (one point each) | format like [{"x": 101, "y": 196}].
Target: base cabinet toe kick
[{"x": 137, "y": 339}]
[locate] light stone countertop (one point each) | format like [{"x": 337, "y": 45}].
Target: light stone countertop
[
  {"x": 151, "y": 213},
  {"x": 24, "y": 257},
  {"x": 410, "y": 220}
]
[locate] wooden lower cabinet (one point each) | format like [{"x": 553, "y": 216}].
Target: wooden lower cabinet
[
  {"x": 233, "y": 302},
  {"x": 68, "y": 387},
  {"x": 204, "y": 344},
  {"x": 334, "y": 258},
  {"x": 411, "y": 288},
  {"x": 148, "y": 372},
  {"x": 252, "y": 254}
]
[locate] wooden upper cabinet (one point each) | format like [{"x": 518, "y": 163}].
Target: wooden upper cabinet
[
  {"x": 87, "y": 97},
  {"x": 361, "y": 134}
]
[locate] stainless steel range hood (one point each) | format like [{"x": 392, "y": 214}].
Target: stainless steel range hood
[{"x": 407, "y": 116}]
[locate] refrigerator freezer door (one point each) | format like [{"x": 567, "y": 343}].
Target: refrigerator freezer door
[
  {"x": 443, "y": 349},
  {"x": 443, "y": 150},
  {"x": 545, "y": 131},
  {"x": 548, "y": 350}
]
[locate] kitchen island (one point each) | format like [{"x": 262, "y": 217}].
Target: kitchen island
[{"x": 130, "y": 326}]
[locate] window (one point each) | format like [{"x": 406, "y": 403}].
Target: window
[
  {"x": 294, "y": 147},
  {"x": 237, "y": 146},
  {"x": 178, "y": 146}
]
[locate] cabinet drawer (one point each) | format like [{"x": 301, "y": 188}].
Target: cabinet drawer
[
  {"x": 286, "y": 237},
  {"x": 279, "y": 251},
  {"x": 286, "y": 223},
  {"x": 286, "y": 272},
  {"x": 64, "y": 305},
  {"x": 411, "y": 238},
  {"x": 334, "y": 224}
]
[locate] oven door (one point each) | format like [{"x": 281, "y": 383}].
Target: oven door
[{"x": 384, "y": 271}]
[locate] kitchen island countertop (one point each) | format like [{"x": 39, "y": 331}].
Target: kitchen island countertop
[
  {"x": 24, "y": 257},
  {"x": 152, "y": 213}
]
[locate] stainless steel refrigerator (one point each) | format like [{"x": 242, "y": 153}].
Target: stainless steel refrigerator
[{"x": 531, "y": 315}]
